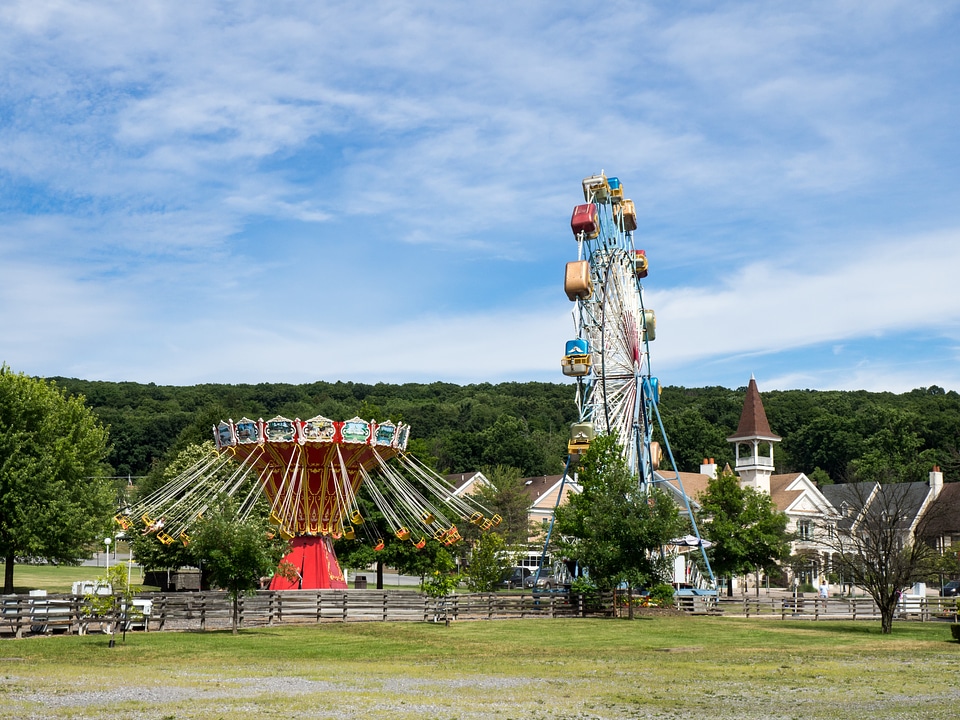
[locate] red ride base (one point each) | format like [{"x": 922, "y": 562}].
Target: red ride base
[{"x": 316, "y": 564}]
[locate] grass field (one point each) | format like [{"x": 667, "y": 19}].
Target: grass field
[
  {"x": 55, "y": 578},
  {"x": 674, "y": 667}
]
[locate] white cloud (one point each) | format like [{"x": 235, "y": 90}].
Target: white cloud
[
  {"x": 765, "y": 307},
  {"x": 158, "y": 152}
]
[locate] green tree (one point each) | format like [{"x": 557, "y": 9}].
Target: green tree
[
  {"x": 507, "y": 497},
  {"x": 747, "y": 530},
  {"x": 612, "y": 527},
  {"x": 693, "y": 438},
  {"x": 894, "y": 450},
  {"x": 236, "y": 552},
  {"x": 118, "y": 604},
  {"x": 488, "y": 562},
  {"x": 55, "y": 499},
  {"x": 149, "y": 551},
  {"x": 410, "y": 560}
]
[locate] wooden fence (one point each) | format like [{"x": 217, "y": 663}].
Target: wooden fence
[
  {"x": 816, "y": 608},
  {"x": 22, "y": 615}
]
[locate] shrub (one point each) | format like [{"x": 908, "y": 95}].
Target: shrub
[
  {"x": 955, "y": 631},
  {"x": 661, "y": 595}
]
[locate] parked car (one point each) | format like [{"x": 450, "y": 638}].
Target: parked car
[
  {"x": 950, "y": 589},
  {"x": 515, "y": 577},
  {"x": 546, "y": 580}
]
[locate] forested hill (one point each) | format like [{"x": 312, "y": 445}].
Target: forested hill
[{"x": 827, "y": 434}]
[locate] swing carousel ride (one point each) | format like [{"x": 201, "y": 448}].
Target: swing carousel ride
[{"x": 310, "y": 472}]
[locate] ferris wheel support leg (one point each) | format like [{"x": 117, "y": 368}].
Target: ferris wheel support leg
[{"x": 686, "y": 500}]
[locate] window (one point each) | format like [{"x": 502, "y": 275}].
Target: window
[{"x": 805, "y": 530}]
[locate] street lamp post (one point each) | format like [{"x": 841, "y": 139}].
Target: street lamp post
[{"x": 106, "y": 541}]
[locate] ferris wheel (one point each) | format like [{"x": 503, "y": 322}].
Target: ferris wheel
[{"x": 609, "y": 356}]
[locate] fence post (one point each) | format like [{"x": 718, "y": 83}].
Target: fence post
[
  {"x": 386, "y": 606},
  {"x": 344, "y": 600},
  {"x": 21, "y": 606}
]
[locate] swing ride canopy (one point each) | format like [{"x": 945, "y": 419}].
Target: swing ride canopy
[{"x": 310, "y": 473}]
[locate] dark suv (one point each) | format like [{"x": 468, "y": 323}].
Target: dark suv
[
  {"x": 951, "y": 589},
  {"x": 514, "y": 578}
]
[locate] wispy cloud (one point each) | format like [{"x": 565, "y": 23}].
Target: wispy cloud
[{"x": 794, "y": 177}]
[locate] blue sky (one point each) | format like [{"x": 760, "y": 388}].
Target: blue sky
[{"x": 381, "y": 191}]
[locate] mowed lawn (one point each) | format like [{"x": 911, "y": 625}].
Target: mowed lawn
[{"x": 680, "y": 667}]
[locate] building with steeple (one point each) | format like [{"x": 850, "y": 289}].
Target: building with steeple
[{"x": 753, "y": 442}]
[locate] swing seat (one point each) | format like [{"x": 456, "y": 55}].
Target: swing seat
[
  {"x": 164, "y": 538},
  {"x": 477, "y": 518},
  {"x": 421, "y": 544},
  {"x": 356, "y": 518},
  {"x": 123, "y": 522},
  {"x": 428, "y": 518},
  {"x": 496, "y": 520},
  {"x": 402, "y": 533},
  {"x": 349, "y": 533},
  {"x": 379, "y": 546}
]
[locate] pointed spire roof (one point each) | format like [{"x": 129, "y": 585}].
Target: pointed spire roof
[{"x": 753, "y": 419}]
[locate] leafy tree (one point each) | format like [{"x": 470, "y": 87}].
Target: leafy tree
[
  {"x": 507, "y": 497},
  {"x": 693, "y": 438},
  {"x": 488, "y": 562},
  {"x": 442, "y": 580},
  {"x": 149, "y": 551},
  {"x": 118, "y": 604},
  {"x": 820, "y": 477},
  {"x": 828, "y": 441},
  {"x": 236, "y": 552},
  {"x": 55, "y": 499},
  {"x": 895, "y": 450},
  {"x": 409, "y": 560},
  {"x": 745, "y": 526},
  {"x": 612, "y": 527}
]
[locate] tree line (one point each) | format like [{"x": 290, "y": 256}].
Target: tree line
[{"x": 832, "y": 436}]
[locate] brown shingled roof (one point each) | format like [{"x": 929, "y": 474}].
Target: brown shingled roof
[
  {"x": 753, "y": 419},
  {"x": 783, "y": 498}
]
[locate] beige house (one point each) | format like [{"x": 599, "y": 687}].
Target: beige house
[{"x": 542, "y": 490}]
